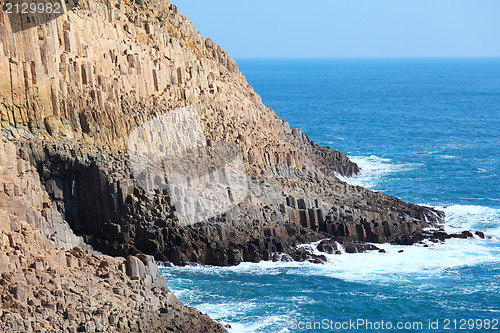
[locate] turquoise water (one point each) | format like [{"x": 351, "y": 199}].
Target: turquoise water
[{"x": 427, "y": 131}]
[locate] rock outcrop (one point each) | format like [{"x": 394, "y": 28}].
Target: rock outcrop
[
  {"x": 45, "y": 289},
  {"x": 107, "y": 66},
  {"x": 48, "y": 285},
  {"x": 73, "y": 90},
  {"x": 80, "y": 84},
  {"x": 93, "y": 189}
]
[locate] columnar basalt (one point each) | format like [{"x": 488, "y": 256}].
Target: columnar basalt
[
  {"x": 106, "y": 66},
  {"x": 52, "y": 280},
  {"x": 73, "y": 91},
  {"x": 80, "y": 84},
  {"x": 94, "y": 190}
]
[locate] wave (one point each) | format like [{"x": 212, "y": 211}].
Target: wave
[
  {"x": 418, "y": 266},
  {"x": 470, "y": 217},
  {"x": 399, "y": 261},
  {"x": 274, "y": 323},
  {"x": 374, "y": 169},
  {"x": 448, "y": 157}
]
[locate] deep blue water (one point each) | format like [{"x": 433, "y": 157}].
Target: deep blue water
[{"x": 424, "y": 130}]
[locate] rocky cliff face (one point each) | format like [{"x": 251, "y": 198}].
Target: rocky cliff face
[
  {"x": 48, "y": 285},
  {"x": 76, "y": 87},
  {"x": 107, "y": 66}
]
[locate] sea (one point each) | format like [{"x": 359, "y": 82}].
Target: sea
[{"x": 424, "y": 130}]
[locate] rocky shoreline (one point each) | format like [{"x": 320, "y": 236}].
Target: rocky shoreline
[
  {"x": 77, "y": 86},
  {"x": 94, "y": 190},
  {"x": 49, "y": 283}
]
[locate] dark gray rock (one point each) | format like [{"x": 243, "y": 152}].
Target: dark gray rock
[{"x": 95, "y": 192}]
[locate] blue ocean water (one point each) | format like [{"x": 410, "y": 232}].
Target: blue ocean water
[{"x": 424, "y": 130}]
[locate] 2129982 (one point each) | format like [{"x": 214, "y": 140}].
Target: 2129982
[
  {"x": 33, "y": 8},
  {"x": 470, "y": 324}
]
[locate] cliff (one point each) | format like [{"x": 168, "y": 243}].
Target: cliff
[
  {"x": 47, "y": 285},
  {"x": 107, "y": 66},
  {"x": 74, "y": 90}
]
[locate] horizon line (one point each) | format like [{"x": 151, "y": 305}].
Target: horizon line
[{"x": 371, "y": 57}]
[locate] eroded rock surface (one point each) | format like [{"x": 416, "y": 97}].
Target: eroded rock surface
[
  {"x": 94, "y": 190},
  {"x": 109, "y": 65},
  {"x": 74, "y": 89},
  {"x": 45, "y": 288},
  {"x": 90, "y": 77}
]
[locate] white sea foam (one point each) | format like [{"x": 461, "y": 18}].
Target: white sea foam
[
  {"x": 416, "y": 265},
  {"x": 469, "y": 217},
  {"x": 413, "y": 261},
  {"x": 448, "y": 157},
  {"x": 240, "y": 310},
  {"x": 374, "y": 169},
  {"x": 262, "y": 323},
  {"x": 227, "y": 311}
]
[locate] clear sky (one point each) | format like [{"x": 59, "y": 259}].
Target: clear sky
[{"x": 349, "y": 28}]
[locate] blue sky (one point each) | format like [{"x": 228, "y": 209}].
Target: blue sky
[{"x": 349, "y": 28}]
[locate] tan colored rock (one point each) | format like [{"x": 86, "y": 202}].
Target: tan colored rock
[
  {"x": 74, "y": 89},
  {"x": 38, "y": 281},
  {"x": 67, "y": 294},
  {"x": 108, "y": 65}
]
